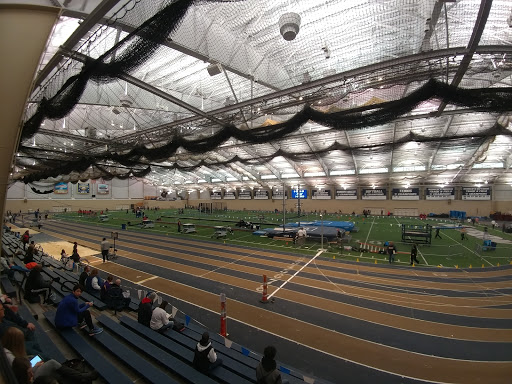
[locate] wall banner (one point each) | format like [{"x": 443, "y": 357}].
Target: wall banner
[
  {"x": 278, "y": 195},
  {"x": 346, "y": 194},
  {"x": 440, "y": 193},
  {"x": 374, "y": 194},
  {"x": 475, "y": 193},
  {"x": 103, "y": 189},
  {"x": 83, "y": 188},
  {"x": 229, "y": 195},
  {"x": 321, "y": 194},
  {"x": 216, "y": 195},
  {"x": 260, "y": 194},
  {"x": 60, "y": 188},
  {"x": 405, "y": 194},
  {"x": 244, "y": 195}
]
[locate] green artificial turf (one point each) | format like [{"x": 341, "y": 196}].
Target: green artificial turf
[{"x": 374, "y": 231}]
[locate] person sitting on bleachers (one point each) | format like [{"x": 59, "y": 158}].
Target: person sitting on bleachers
[
  {"x": 145, "y": 310},
  {"x": 93, "y": 283},
  {"x": 105, "y": 287},
  {"x": 36, "y": 284},
  {"x": 13, "y": 344},
  {"x": 10, "y": 268},
  {"x": 31, "y": 251},
  {"x": 266, "y": 371},
  {"x": 205, "y": 358},
  {"x": 10, "y": 319},
  {"x": 84, "y": 275},
  {"x": 70, "y": 313},
  {"x": 118, "y": 298},
  {"x": 160, "y": 319}
]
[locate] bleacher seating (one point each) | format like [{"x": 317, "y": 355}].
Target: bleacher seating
[
  {"x": 186, "y": 353},
  {"x": 89, "y": 353},
  {"x": 148, "y": 346}
]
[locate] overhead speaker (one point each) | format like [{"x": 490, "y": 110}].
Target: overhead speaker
[
  {"x": 214, "y": 69},
  {"x": 289, "y": 25}
]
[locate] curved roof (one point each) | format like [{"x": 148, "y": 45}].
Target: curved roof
[{"x": 227, "y": 64}]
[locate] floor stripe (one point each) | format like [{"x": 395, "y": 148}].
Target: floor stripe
[
  {"x": 143, "y": 281},
  {"x": 295, "y": 274}
]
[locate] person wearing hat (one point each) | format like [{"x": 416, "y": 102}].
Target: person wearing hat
[{"x": 205, "y": 358}]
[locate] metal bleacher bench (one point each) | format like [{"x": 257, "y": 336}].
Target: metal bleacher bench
[
  {"x": 90, "y": 353},
  {"x": 148, "y": 345},
  {"x": 186, "y": 353},
  {"x": 7, "y": 287}
]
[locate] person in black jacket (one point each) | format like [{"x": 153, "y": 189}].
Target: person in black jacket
[
  {"x": 36, "y": 284},
  {"x": 266, "y": 371},
  {"x": 414, "y": 253},
  {"x": 205, "y": 358},
  {"x": 146, "y": 309}
]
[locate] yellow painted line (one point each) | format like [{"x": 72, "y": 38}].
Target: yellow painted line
[{"x": 143, "y": 281}]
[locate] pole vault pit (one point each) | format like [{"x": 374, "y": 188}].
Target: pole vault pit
[{"x": 418, "y": 234}]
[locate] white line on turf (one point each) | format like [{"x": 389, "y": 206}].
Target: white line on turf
[
  {"x": 296, "y": 273},
  {"x": 369, "y": 231}
]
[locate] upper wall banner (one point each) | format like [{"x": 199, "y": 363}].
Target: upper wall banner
[
  {"x": 440, "y": 193},
  {"x": 346, "y": 194},
  {"x": 476, "y": 193},
  {"x": 244, "y": 195},
  {"x": 216, "y": 195},
  {"x": 261, "y": 194},
  {"x": 321, "y": 194},
  {"x": 278, "y": 195},
  {"x": 60, "y": 188},
  {"x": 405, "y": 194},
  {"x": 83, "y": 188},
  {"x": 229, "y": 195},
  {"x": 374, "y": 194}
]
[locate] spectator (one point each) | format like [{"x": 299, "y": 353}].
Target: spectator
[
  {"x": 10, "y": 268},
  {"x": 105, "y": 245},
  {"x": 205, "y": 358},
  {"x": 414, "y": 253},
  {"x": 75, "y": 256},
  {"x": 12, "y": 341},
  {"x": 118, "y": 298},
  {"x": 36, "y": 284},
  {"x": 75, "y": 247},
  {"x": 266, "y": 371},
  {"x": 105, "y": 287},
  {"x": 84, "y": 275},
  {"x": 63, "y": 256},
  {"x": 22, "y": 370},
  {"x": 10, "y": 319},
  {"x": 25, "y": 239},
  {"x": 31, "y": 251},
  {"x": 391, "y": 252},
  {"x": 70, "y": 314},
  {"x": 145, "y": 310},
  {"x": 93, "y": 283},
  {"x": 161, "y": 320}
]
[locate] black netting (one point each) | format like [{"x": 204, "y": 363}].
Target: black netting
[{"x": 136, "y": 48}]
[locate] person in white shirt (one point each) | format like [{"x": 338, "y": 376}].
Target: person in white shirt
[
  {"x": 105, "y": 246},
  {"x": 160, "y": 319},
  {"x": 301, "y": 236}
]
